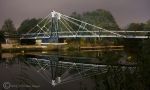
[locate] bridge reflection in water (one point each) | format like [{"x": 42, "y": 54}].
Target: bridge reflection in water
[{"x": 58, "y": 69}]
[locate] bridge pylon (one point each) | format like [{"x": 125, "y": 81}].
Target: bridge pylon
[{"x": 53, "y": 29}]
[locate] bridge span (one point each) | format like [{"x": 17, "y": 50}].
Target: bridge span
[{"x": 56, "y": 25}]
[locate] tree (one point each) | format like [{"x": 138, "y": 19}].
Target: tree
[
  {"x": 135, "y": 27},
  {"x": 8, "y": 27},
  {"x": 101, "y": 18},
  {"x": 145, "y": 64},
  {"x": 2, "y": 37},
  {"x": 27, "y": 25},
  {"x": 147, "y": 26},
  {"x": 76, "y": 15},
  {"x": 134, "y": 45},
  {"x": 146, "y": 58}
]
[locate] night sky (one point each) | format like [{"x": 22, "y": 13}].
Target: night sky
[{"x": 124, "y": 11}]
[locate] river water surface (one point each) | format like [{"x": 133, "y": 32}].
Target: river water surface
[{"x": 108, "y": 70}]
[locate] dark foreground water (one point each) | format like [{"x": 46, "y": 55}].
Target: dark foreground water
[{"x": 111, "y": 70}]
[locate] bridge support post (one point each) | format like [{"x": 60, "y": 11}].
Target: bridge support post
[
  {"x": 58, "y": 79},
  {"x": 53, "y": 82},
  {"x": 54, "y": 37}
]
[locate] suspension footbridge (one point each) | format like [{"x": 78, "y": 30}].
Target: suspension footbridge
[{"x": 56, "y": 25}]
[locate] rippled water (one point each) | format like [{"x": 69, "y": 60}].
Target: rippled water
[{"x": 111, "y": 70}]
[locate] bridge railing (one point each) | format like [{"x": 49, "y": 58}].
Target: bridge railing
[{"x": 65, "y": 34}]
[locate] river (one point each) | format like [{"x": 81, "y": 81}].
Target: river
[{"x": 80, "y": 70}]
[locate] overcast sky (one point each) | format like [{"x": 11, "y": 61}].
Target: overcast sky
[{"x": 124, "y": 11}]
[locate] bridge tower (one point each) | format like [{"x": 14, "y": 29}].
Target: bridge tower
[{"x": 54, "y": 29}]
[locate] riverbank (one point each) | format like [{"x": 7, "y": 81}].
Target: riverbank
[
  {"x": 110, "y": 47},
  {"x": 23, "y": 48},
  {"x": 53, "y": 47}
]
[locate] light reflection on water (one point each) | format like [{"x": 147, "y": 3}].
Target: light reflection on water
[{"x": 66, "y": 70}]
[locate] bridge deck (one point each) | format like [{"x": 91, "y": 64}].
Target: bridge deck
[{"x": 88, "y": 36}]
